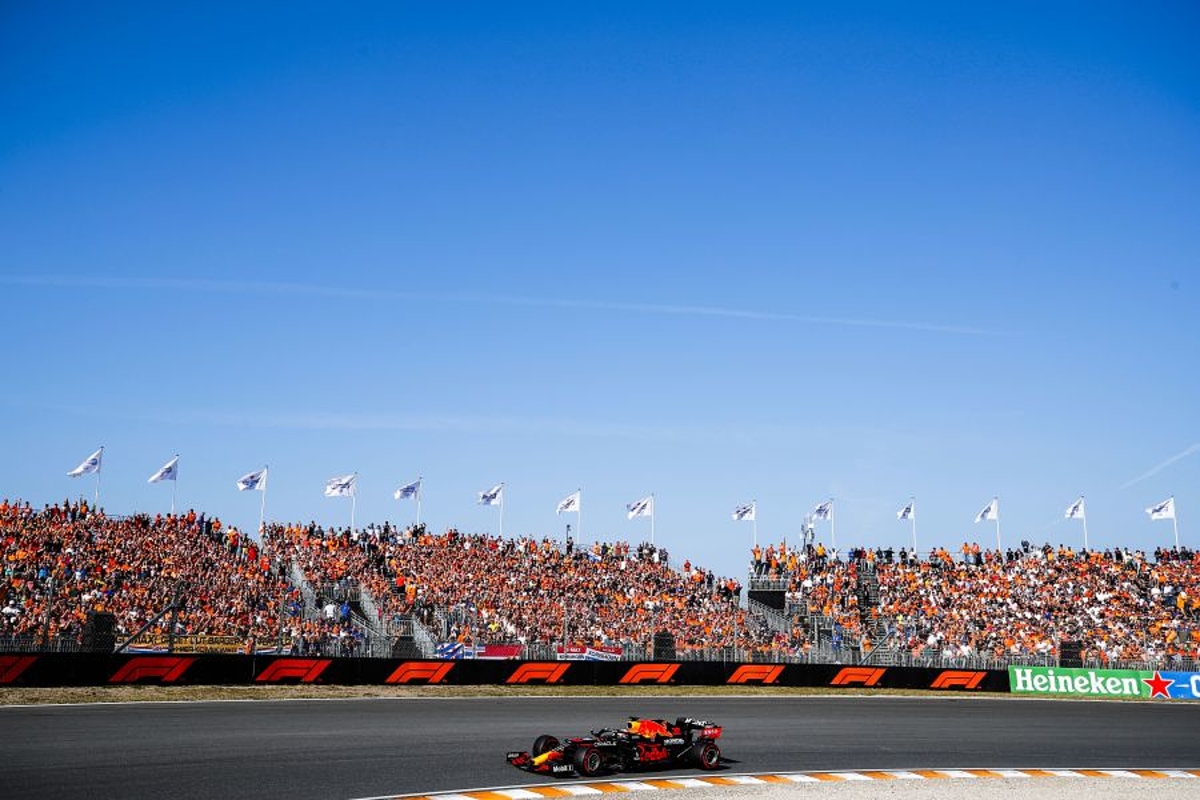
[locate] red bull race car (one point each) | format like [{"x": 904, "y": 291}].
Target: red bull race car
[{"x": 641, "y": 744}]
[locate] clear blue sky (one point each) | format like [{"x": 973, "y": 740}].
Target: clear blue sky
[{"x": 715, "y": 252}]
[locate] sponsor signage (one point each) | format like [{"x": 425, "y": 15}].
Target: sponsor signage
[
  {"x": 858, "y": 676},
  {"x": 756, "y": 673},
  {"x": 420, "y": 672},
  {"x": 11, "y": 667},
  {"x": 650, "y": 673},
  {"x": 958, "y": 679},
  {"x": 1104, "y": 682},
  {"x": 304, "y": 670},
  {"x": 538, "y": 672},
  {"x": 163, "y": 669},
  {"x": 1181, "y": 685}
]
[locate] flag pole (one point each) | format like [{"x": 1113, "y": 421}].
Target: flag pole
[
  {"x": 501, "y": 510},
  {"x": 913, "y": 518},
  {"x": 1175, "y": 521},
  {"x": 262, "y": 508},
  {"x": 1085, "y": 536},
  {"x": 353, "y": 503},
  {"x": 996, "y": 500},
  {"x": 832, "y": 524},
  {"x": 420, "y": 487},
  {"x": 653, "y": 514},
  {"x": 579, "y": 515},
  {"x": 96, "y": 499},
  {"x": 754, "y": 525}
]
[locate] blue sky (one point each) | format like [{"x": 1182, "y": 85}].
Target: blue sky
[{"x": 717, "y": 252}]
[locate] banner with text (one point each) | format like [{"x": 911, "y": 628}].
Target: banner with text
[{"x": 1105, "y": 682}]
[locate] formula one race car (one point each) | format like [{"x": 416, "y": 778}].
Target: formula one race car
[{"x": 641, "y": 744}]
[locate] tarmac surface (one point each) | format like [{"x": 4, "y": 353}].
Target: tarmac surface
[{"x": 378, "y": 747}]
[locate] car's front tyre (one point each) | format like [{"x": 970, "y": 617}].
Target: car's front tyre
[{"x": 543, "y": 744}]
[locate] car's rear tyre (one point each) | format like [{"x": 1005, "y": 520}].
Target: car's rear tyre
[
  {"x": 708, "y": 756},
  {"x": 543, "y": 744},
  {"x": 588, "y": 761}
]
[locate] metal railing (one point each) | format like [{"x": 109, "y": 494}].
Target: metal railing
[{"x": 376, "y": 646}]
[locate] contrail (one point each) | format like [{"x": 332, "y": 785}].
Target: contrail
[
  {"x": 1160, "y": 467},
  {"x": 350, "y": 293}
]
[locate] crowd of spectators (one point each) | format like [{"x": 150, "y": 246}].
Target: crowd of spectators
[
  {"x": 61, "y": 562},
  {"x": 70, "y": 559},
  {"x": 1119, "y": 605},
  {"x": 524, "y": 590}
]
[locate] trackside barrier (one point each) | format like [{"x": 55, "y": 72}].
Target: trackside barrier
[{"x": 99, "y": 669}]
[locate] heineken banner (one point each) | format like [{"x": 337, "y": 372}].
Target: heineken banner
[{"x": 1105, "y": 682}]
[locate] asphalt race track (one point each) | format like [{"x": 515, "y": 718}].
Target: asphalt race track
[{"x": 362, "y": 748}]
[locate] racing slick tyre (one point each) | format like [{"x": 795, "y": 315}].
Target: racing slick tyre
[
  {"x": 543, "y": 744},
  {"x": 708, "y": 756},
  {"x": 588, "y": 761}
]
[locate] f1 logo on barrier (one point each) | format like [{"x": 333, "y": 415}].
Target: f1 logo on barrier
[
  {"x": 958, "y": 679},
  {"x": 658, "y": 673},
  {"x": 411, "y": 671},
  {"x": 167, "y": 669},
  {"x": 863, "y": 676},
  {"x": 282, "y": 669},
  {"x": 755, "y": 672},
  {"x": 11, "y": 667},
  {"x": 545, "y": 672}
]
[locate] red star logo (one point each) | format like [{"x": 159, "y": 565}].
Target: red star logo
[{"x": 1158, "y": 685}]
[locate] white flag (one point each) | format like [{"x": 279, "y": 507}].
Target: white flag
[
  {"x": 569, "y": 503},
  {"x": 408, "y": 490},
  {"x": 341, "y": 487},
  {"x": 1076, "y": 510},
  {"x": 493, "y": 496},
  {"x": 823, "y": 510},
  {"x": 253, "y": 480},
  {"x": 990, "y": 511},
  {"x": 641, "y": 508},
  {"x": 169, "y": 472},
  {"x": 90, "y": 464},
  {"x": 1164, "y": 510},
  {"x": 745, "y": 512},
  {"x": 908, "y": 512}
]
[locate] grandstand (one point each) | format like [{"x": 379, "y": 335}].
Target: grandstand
[{"x": 187, "y": 582}]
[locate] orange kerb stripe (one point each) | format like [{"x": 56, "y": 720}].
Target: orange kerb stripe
[
  {"x": 661, "y": 783},
  {"x": 606, "y": 787},
  {"x": 775, "y": 779},
  {"x": 718, "y": 781},
  {"x": 879, "y": 776},
  {"x": 932, "y": 774},
  {"x": 984, "y": 773},
  {"x": 1038, "y": 773},
  {"x": 1147, "y": 773},
  {"x": 488, "y": 796},
  {"x": 1195, "y": 772},
  {"x": 549, "y": 791},
  {"x": 826, "y": 776}
]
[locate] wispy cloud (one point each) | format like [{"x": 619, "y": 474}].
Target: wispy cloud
[
  {"x": 759, "y": 434},
  {"x": 353, "y": 293},
  {"x": 1160, "y": 467}
]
